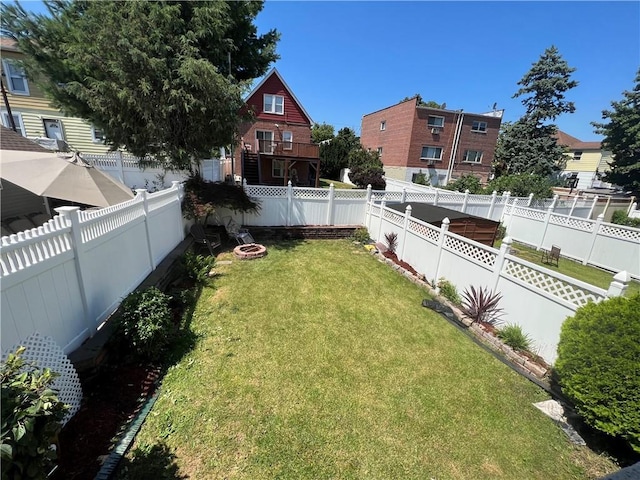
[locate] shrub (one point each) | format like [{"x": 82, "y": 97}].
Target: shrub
[
  {"x": 392, "y": 241},
  {"x": 466, "y": 182},
  {"x": 513, "y": 336},
  {"x": 31, "y": 419},
  {"x": 620, "y": 217},
  {"x": 481, "y": 305},
  {"x": 361, "y": 235},
  {"x": 501, "y": 232},
  {"x": 448, "y": 290},
  {"x": 521, "y": 185},
  {"x": 197, "y": 267},
  {"x": 597, "y": 365},
  {"x": 145, "y": 323}
]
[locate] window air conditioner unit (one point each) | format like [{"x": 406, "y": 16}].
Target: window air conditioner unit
[
  {"x": 435, "y": 130},
  {"x": 431, "y": 162}
]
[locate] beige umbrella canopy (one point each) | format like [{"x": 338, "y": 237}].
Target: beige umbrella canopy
[{"x": 66, "y": 178}]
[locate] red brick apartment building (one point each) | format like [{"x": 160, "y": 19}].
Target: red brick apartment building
[
  {"x": 276, "y": 147},
  {"x": 442, "y": 144}
]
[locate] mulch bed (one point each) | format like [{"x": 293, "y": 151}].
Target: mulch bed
[{"x": 405, "y": 265}]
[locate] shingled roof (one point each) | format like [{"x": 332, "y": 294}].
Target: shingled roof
[
  {"x": 575, "y": 144},
  {"x": 10, "y": 140}
]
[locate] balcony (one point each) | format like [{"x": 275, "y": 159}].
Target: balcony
[{"x": 288, "y": 149}]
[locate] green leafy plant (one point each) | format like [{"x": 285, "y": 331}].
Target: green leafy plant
[
  {"x": 361, "y": 235},
  {"x": 481, "y": 305},
  {"x": 392, "y": 241},
  {"x": 31, "y": 419},
  {"x": 501, "y": 232},
  {"x": 448, "y": 290},
  {"x": 197, "y": 267},
  {"x": 620, "y": 217},
  {"x": 597, "y": 366},
  {"x": 145, "y": 323},
  {"x": 513, "y": 336},
  {"x": 465, "y": 182}
]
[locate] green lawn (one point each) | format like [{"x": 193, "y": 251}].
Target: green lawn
[
  {"x": 318, "y": 362},
  {"x": 324, "y": 183},
  {"x": 594, "y": 276}
]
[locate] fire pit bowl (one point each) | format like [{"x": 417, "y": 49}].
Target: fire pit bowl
[{"x": 250, "y": 251}]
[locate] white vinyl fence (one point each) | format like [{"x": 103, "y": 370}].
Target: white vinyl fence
[
  {"x": 537, "y": 299},
  {"x": 65, "y": 278},
  {"x": 605, "y": 245}
]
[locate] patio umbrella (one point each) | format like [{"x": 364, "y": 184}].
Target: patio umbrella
[{"x": 65, "y": 178}]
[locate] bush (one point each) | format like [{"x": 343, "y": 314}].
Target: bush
[
  {"x": 31, "y": 419},
  {"x": 620, "y": 217},
  {"x": 448, "y": 290},
  {"x": 361, "y": 235},
  {"x": 513, "y": 336},
  {"x": 598, "y": 366},
  {"x": 145, "y": 324},
  {"x": 521, "y": 186},
  {"x": 466, "y": 182},
  {"x": 501, "y": 232},
  {"x": 481, "y": 305},
  {"x": 197, "y": 267},
  {"x": 392, "y": 241}
]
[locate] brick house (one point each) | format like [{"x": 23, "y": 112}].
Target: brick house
[
  {"x": 276, "y": 147},
  {"x": 442, "y": 144}
]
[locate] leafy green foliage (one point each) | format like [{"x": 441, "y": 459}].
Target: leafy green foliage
[
  {"x": 392, "y": 241},
  {"x": 145, "y": 325},
  {"x": 466, "y": 182},
  {"x": 31, "y": 419},
  {"x": 321, "y": 132},
  {"x": 366, "y": 169},
  {"x": 197, "y": 267},
  {"x": 513, "y": 336},
  {"x": 421, "y": 103},
  {"x": 598, "y": 367},
  {"x": 421, "y": 178},
  {"x": 622, "y": 138},
  {"x": 481, "y": 305},
  {"x": 620, "y": 217},
  {"x": 334, "y": 154},
  {"x": 154, "y": 76},
  {"x": 521, "y": 185},
  {"x": 449, "y": 291},
  {"x": 361, "y": 235}
]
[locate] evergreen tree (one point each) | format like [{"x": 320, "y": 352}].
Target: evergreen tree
[
  {"x": 622, "y": 138},
  {"x": 529, "y": 144},
  {"x": 159, "y": 78},
  {"x": 334, "y": 155},
  {"x": 366, "y": 168}
]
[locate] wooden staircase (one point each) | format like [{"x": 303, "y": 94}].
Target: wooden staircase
[{"x": 250, "y": 167}]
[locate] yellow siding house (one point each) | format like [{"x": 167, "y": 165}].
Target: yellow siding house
[
  {"x": 587, "y": 159},
  {"x": 32, "y": 113}
]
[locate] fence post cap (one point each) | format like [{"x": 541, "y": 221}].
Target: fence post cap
[
  {"x": 622, "y": 276},
  {"x": 408, "y": 209},
  {"x": 601, "y": 217},
  {"x": 507, "y": 241},
  {"x": 66, "y": 210},
  {"x": 446, "y": 221},
  {"x": 140, "y": 191}
]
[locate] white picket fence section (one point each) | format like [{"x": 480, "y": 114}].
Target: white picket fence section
[
  {"x": 533, "y": 297},
  {"x": 65, "y": 278},
  {"x": 604, "y": 245}
]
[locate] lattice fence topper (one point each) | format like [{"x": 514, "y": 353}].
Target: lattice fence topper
[
  {"x": 350, "y": 194},
  {"x": 429, "y": 233},
  {"x": 393, "y": 217},
  {"x": 420, "y": 197},
  {"x": 265, "y": 191},
  {"x": 310, "y": 193},
  {"x": 626, "y": 233},
  {"x": 583, "y": 225},
  {"x": 45, "y": 353},
  {"x": 528, "y": 213},
  {"x": 554, "y": 286},
  {"x": 478, "y": 254}
]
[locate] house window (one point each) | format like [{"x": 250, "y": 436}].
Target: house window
[
  {"x": 431, "y": 153},
  {"x": 287, "y": 140},
  {"x": 16, "y": 79},
  {"x": 577, "y": 156},
  {"x": 277, "y": 168},
  {"x": 383, "y": 125},
  {"x": 479, "y": 126},
  {"x": 434, "y": 121},
  {"x": 380, "y": 151},
  {"x": 53, "y": 129},
  {"x": 17, "y": 119},
  {"x": 265, "y": 141},
  {"x": 274, "y": 104},
  {"x": 97, "y": 135},
  {"x": 473, "y": 156}
]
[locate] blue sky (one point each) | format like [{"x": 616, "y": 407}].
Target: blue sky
[{"x": 345, "y": 59}]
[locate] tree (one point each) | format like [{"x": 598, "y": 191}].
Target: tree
[
  {"x": 321, "y": 132},
  {"x": 334, "y": 155},
  {"x": 422, "y": 103},
  {"x": 465, "y": 182},
  {"x": 529, "y": 145},
  {"x": 366, "y": 168},
  {"x": 521, "y": 185},
  {"x": 164, "y": 79},
  {"x": 622, "y": 138}
]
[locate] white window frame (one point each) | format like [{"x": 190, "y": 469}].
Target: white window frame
[
  {"x": 280, "y": 168},
  {"x": 95, "y": 138},
  {"x": 17, "y": 118},
  {"x": 431, "y": 158},
  {"x": 383, "y": 125},
  {"x": 270, "y": 104},
  {"x": 380, "y": 151},
  {"x": 431, "y": 124},
  {"x": 577, "y": 155},
  {"x": 258, "y": 140},
  {"x": 60, "y": 126},
  {"x": 477, "y": 156},
  {"x": 7, "y": 66},
  {"x": 477, "y": 126},
  {"x": 287, "y": 140}
]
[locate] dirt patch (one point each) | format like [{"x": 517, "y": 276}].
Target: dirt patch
[{"x": 392, "y": 256}]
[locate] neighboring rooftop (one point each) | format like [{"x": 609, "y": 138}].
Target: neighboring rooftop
[
  {"x": 8, "y": 44},
  {"x": 10, "y": 140},
  {"x": 576, "y": 144},
  {"x": 494, "y": 113}
]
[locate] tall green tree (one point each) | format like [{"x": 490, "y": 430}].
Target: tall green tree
[
  {"x": 334, "y": 155},
  {"x": 159, "y": 78},
  {"x": 422, "y": 103},
  {"x": 529, "y": 144},
  {"x": 622, "y": 138},
  {"x": 366, "y": 168},
  {"x": 321, "y": 132}
]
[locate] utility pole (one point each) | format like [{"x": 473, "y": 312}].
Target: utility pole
[{"x": 12, "y": 122}]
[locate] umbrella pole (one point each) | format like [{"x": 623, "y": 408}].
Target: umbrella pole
[{"x": 47, "y": 206}]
